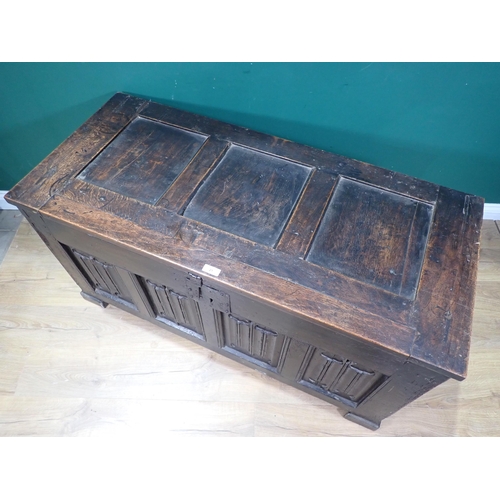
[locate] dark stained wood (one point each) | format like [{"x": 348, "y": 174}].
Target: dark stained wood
[
  {"x": 144, "y": 160},
  {"x": 201, "y": 236},
  {"x": 401, "y": 388},
  {"x": 328, "y": 162},
  {"x": 415, "y": 249},
  {"x": 443, "y": 309},
  {"x": 155, "y": 218},
  {"x": 249, "y": 194},
  {"x": 302, "y": 226},
  {"x": 342, "y": 279},
  {"x": 179, "y": 195},
  {"x": 181, "y": 253},
  {"x": 365, "y": 234},
  {"x": 75, "y": 153},
  {"x": 38, "y": 224}
]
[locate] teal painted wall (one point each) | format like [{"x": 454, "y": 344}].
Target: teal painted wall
[{"x": 436, "y": 121}]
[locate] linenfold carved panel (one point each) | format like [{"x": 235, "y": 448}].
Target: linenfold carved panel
[
  {"x": 331, "y": 374},
  {"x": 174, "y": 306},
  {"x": 250, "y": 339},
  {"x": 103, "y": 277}
]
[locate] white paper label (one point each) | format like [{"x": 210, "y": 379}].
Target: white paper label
[{"x": 211, "y": 270}]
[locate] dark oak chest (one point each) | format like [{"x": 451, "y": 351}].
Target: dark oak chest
[{"x": 347, "y": 281}]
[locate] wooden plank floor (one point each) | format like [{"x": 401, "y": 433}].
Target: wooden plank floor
[{"x": 69, "y": 368}]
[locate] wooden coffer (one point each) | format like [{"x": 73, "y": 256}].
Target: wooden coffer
[{"x": 350, "y": 282}]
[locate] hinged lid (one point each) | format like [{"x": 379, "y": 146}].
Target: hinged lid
[{"x": 373, "y": 253}]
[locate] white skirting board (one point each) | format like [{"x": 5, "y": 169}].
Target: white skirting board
[
  {"x": 491, "y": 210},
  {"x": 3, "y": 204}
]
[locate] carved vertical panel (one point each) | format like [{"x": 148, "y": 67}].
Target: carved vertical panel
[
  {"x": 237, "y": 333},
  {"x": 250, "y": 339},
  {"x": 160, "y": 301},
  {"x": 103, "y": 277},
  {"x": 266, "y": 345},
  {"x": 333, "y": 375},
  {"x": 324, "y": 370},
  {"x": 174, "y": 306}
]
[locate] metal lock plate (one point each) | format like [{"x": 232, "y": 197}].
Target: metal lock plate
[{"x": 206, "y": 294}]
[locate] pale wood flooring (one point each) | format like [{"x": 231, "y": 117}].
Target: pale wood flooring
[{"x": 69, "y": 368}]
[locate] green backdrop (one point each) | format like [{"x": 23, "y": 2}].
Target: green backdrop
[{"x": 435, "y": 121}]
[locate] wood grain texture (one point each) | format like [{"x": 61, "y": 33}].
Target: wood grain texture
[
  {"x": 443, "y": 319},
  {"x": 77, "y": 151},
  {"x": 170, "y": 230},
  {"x": 68, "y": 368},
  {"x": 328, "y": 162},
  {"x": 249, "y": 194},
  {"x": 184, "y": 254},
  {"x": 178, "y": 218},
  {"x": 373, "y": 235},
  {"x": 300, "y": 229},
  {"x": 181, "y": 192},
  {"x": 366, "y": 255},
  {"x": 144, "y": 160}
]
